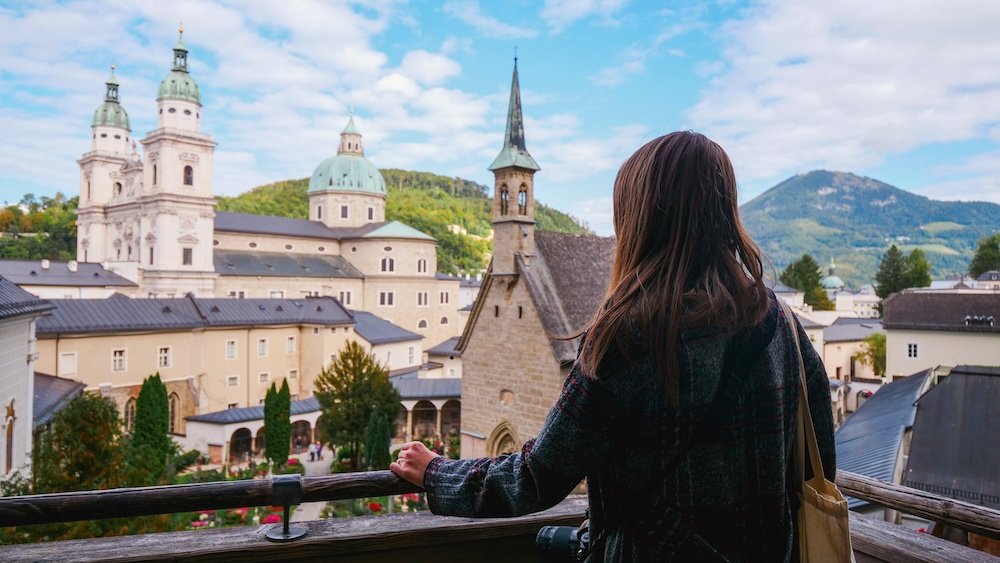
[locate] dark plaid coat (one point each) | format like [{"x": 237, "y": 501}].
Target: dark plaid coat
[{"x": 731, "y": 497}]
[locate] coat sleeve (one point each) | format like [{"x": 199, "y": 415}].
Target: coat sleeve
[{"x": 574, "y": 440}]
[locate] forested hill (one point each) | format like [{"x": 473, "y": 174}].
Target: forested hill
[
  {"x": 854, "y": 219},
  {"x": 423, "y": 200}
]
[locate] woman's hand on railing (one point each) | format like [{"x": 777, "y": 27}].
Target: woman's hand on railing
[{"x": 412, "y": 462}]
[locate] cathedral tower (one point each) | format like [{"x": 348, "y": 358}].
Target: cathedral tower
[
  {"x": 513, "y": 191},
  {"x": 177, "y": 208},
  {"x": 101, "y": 178},
  {"x": 347, "y": 190}
]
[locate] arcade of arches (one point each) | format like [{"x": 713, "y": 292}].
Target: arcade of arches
[{"x": 418, "y": 420}]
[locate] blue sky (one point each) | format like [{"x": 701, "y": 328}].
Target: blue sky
[{"x": 906, "y": 92}]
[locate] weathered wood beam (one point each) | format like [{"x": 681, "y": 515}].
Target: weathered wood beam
[
  {"x": 143, "y": 501},
  {"x": 393, "y": 537},
  {"x": 963, "y": 515},
  {"x": 884, "y": 541}
]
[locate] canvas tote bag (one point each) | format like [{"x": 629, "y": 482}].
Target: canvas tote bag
[{"x": 823, "y": 517}]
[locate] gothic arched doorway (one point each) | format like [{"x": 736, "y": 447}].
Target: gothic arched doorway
[
  {"x": 240, "y": 446},
  {"x": 503, "y": 440}
]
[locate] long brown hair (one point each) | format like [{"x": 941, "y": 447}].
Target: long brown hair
[{"x": 682, "y": 258}]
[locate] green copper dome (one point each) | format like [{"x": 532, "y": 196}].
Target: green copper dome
[
  {"x": 178, "y": 85},
  {"x": 347, "y": 173},
  {"x": 111, "y": 114}
]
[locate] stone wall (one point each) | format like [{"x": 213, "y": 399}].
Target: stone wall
[{"x": 510, "y": 375}]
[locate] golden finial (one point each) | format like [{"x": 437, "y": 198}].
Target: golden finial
[{"x": 180, "y": 28}]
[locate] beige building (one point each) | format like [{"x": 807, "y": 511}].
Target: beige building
[
  {"x": 927, "y": 329},
  {"x": 843, "y": 342},
  {"x": 19, "y": 312},
  {"x": 151, "y": 219}
]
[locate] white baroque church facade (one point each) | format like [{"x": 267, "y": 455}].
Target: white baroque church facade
[{"x": 152, "y": 220}]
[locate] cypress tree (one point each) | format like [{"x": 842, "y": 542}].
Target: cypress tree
[
  {"x": 891, "y": 275},
  {"x": 150, "y": 445},
  {"x": 283, "y": 422},
  {"x": 270, "y": 420}
]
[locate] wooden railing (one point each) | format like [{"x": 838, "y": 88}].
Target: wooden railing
[{"x": 422, "y": 536}]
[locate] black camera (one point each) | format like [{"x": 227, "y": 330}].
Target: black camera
[{"x": 563, "y": 543}]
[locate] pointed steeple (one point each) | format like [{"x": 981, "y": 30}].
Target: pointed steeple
[
  {"x": 514, "y": 151},
  {"x": 350, "y": 138}
]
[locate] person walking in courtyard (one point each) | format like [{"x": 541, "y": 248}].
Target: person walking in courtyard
[
  {"x": 680, "y": 408},
  {"x": 319, "y": 450},
  {"x": 312, "y": 451}
]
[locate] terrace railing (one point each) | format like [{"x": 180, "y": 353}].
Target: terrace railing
[{"x": 420, "y": 536}]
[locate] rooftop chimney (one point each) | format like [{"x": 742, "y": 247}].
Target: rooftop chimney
[
  {"x": 71, "y": 265},
  {"x": 45, "y": 263}
]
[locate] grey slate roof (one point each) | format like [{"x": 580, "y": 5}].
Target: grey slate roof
[
  {"x": 409, "y": 388},
  {"x": 808, "y": 323},
  {"x": 953, "y": 451},
  {"x": 122, "y": 314},
  {"x": 285, "y": 226},
  {"x": 566, "y": 279},
  {"x": 868, "y": 443},
  {"x": 51, "y": 395},
  {"x": 779, "y": 287},
  {"x": 377, "y": 330},
  {"x": 851, "y": 331},
  {"x": 428, "y": 388},
  {"x": 15, "y": 301},
  {"x": 249, "y": 414},
  {"x": 915, "y": 310},
  {"x": 87, "y": 274},
  {"x": 244, "y": 263},
  {"x": 447, "y": 348}
]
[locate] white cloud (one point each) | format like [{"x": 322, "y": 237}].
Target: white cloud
[
  {"x": 559, "y": 14},
  {"x": 596, "y": 213},
  {"x": 632, "y": 60},
  {"x": 842, "y": 85},
  {"x": 428, "y": 68},
  {"x": 471, "y": 13}
]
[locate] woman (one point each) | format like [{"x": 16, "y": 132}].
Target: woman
[{"x": 680, "y": 408}]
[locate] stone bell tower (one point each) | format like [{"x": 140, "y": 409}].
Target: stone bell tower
[{"x": 513, "y": 191}]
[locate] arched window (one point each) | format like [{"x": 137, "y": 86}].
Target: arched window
[
  {"x": 129, "y": 415},
  {"x": 188, "y": 176},
  {"x": 421, "y": 266},
  {"x": 118, "y": 188},
  {"x": 504, "y": 200},
  {"x": 154, "y": 174},
  {"x": 444, "y": 320},
  {"x": 388, "y": 265},
  {"x": 174, "y": 410},
  {"x": 422, "y": 324},
  {"x": 319, "y": 212},
  {"x": 522, "y": 200}
]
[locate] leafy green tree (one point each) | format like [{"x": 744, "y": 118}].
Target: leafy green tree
[
  {"x": 804, "y": 274},
  {"x": 987, "y": 256},
  {"x": 917, "y": 270},
  {"x": 349, "y": 390},
  {"x": 819, "y": 300},
  {"x": 377, "y": 442},
  {"x": 891, "y": 275},
  {"x": 873, "y": 352},
  {"x": 277, "y": 424},
  {"x": 81, "y": 451}
]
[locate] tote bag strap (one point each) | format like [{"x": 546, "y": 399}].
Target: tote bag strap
[{"x": 805, "y": 433}]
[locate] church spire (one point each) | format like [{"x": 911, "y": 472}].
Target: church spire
[{"x": 514, "y": 151}]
